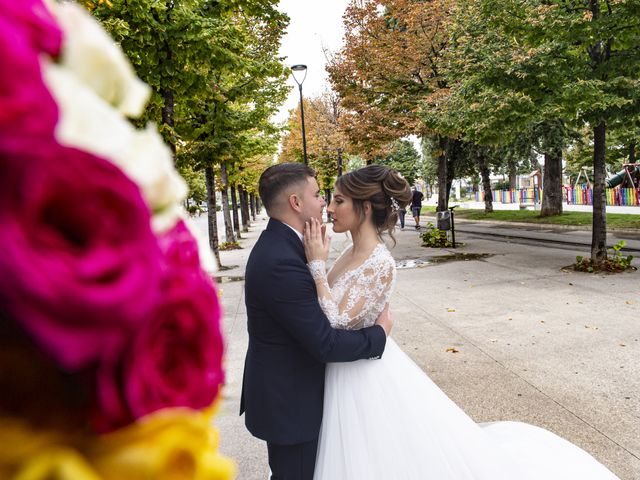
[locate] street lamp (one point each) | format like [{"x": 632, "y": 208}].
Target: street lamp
[{"x": 298, "y": 69}]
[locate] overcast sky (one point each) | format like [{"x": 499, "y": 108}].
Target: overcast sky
[{"x": 313, "y": 24}]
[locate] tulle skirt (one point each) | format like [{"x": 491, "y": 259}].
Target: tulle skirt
[{"x": 386, "y": 420}]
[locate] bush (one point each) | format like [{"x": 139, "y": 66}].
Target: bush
[
  {"x": 435, "y": 238},
  {"x": 615, "y": 263},
  {"x": 195, "y": 209},
  {"x": 229, "y": 246}
]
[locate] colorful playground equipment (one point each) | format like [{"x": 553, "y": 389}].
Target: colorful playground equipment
[
  {"x": 623, "y": 189},
  {"x": 628, "y": 177}
]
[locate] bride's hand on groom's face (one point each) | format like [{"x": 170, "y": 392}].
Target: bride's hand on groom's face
[{"x": 316, "y": 241}]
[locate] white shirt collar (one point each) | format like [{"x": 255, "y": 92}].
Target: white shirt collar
[{"x": 297, "y": 232}]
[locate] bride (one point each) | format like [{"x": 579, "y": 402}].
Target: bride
[{"x": 386, "y": 419}]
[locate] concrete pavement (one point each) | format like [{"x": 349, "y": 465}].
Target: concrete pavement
[{"x": 534, "y": 343}]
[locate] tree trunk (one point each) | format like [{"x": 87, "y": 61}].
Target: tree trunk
[
  {"x": 234, "y": 207},
  {"x": 513, "y": 175},
  {"x": 443, "y": 196},
  {"x": 632, "y": 152},
  {"x": 167, "y": 114},
  {"x": 224, "y": 190},
  {"x": 552, "y": 182},
  {"x": 454, "y": 147},
  {"x": 244, "y": 208},
  {"x": 599, "y": 231},
  {"x": 211, "y": 214},
  {"x": 481, "y": 160},
  {"x": 252, "y": 204}
]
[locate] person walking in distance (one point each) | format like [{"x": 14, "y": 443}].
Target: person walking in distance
[{"x": 416, "y": 205}]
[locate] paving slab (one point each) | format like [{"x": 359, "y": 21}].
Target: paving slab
[{"x": 534, "y": 343}]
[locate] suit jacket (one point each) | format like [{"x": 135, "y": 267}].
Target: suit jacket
[{"x": 290, "y": 340}]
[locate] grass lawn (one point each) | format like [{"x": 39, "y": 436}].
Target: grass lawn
[{"x": 614, "y": 220}]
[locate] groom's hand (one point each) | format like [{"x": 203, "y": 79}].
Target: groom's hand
[{"x": 385, "y": 320}]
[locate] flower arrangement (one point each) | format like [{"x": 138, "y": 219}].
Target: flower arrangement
[{"x": 110, "y": 340}]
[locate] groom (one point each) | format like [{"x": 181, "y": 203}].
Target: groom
[{"x": 290, "y": 338}]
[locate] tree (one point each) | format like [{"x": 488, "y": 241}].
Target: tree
[
  {"x": 215, "y": 72},
  {"x": 530, "y": 62},
  {"x": 170, "y": 43},
  {"x": 404, "y": 157},
  {"x": 230, "y": 121},
  {"x": 388, "y": 68},
  {"x": 497, "y": 97},
  {"x": 323, "y": 117},
  {"x": 196, "y": 183}
]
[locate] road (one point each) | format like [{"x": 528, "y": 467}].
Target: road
[{"x": 560, "y": 237}]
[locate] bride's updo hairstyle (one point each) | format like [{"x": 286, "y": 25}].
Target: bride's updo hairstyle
[{"x": 384, "y": 187}]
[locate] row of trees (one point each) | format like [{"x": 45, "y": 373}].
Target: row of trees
[
  {"x": 485, "y": 83},
  {"x": 217, "y": 80}
]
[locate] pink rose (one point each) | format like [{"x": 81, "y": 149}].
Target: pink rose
[
  {"x": 27, "y": 30},
  {"x": 177, "y": 356},
  {"x": 79, "y": 264},
  {"x": 175, "y": 359},
  {"x": 179, "y": 248},
  {"x": 36, "y": 24}
]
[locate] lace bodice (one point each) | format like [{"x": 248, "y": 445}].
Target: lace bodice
[{"x": 358, "y": 296}]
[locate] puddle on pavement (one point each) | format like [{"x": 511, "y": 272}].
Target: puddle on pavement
[
  {"x": 435, "y": 260},
  {"x": 229, "y": 279},
  {"x": 411, "y": 263}
]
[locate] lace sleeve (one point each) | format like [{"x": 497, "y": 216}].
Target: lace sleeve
[{"x": 364, "y": 294}]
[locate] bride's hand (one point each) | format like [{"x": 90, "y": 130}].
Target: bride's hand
[{"x": 316, "y": 241}]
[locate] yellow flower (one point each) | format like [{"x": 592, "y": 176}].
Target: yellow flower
[
  {"x": 29, "y": 454},
  {"x": 57, "y": 464},
  {"x": 169, "y": 444}
]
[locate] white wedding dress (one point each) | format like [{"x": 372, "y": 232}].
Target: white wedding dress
[{"x": 386, "y": 420}]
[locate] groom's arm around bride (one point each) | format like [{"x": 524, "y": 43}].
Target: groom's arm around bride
[{"x": 290, "y": 338}]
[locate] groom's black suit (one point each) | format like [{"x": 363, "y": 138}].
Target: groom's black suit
[{"x": 290, "y": 340}]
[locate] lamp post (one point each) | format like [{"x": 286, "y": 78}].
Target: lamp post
[{"x": 298, "y": 69}]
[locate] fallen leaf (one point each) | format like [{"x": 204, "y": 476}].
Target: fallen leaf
[
  {"x": 452, "y": 350},
  {"x": 623, "y": 344},
  {"x": 451, "y": 309},
  {"x": 629, "y": 302},
  {"x": 542, "y": 321}
]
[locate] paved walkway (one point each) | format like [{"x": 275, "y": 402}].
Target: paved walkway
[{"x": 534, "y": 343}]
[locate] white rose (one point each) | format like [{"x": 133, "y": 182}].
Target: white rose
[
  {"x": 89, "y": 123},
  {"x": 98, "y": 61},
  {"x": 86, "y": 120},
  {"x": 150, "y": 163}
]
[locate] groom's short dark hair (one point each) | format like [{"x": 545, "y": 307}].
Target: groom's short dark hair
[{"x": 280, "y": 177}]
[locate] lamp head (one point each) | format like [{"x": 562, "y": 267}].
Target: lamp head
[{"x": 298, "y": 70}]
